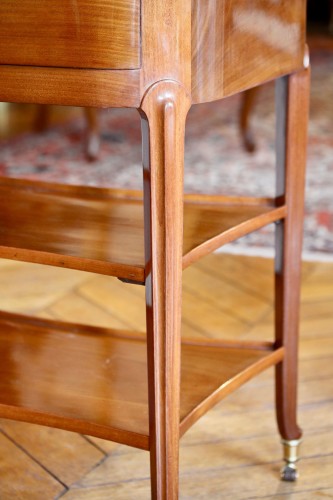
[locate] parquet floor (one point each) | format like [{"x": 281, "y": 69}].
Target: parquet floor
[{"x": 231, "y": 453}]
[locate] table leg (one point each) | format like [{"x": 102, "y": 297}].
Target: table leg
[
  {"x": 292, "y": 116},
  {"x": 163, "y": 112}
]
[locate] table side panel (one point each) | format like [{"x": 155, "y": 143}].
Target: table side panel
[{"x": 236, "y": 45}]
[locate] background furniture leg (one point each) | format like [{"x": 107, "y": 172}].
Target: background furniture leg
[
  {"x": 42, "y": 117},
  {"x": 164, "y": 111},
  {"x": 292, "y": 113},
  {"x": 93, "y": 139},
  {"x": 247, "y": 105}
]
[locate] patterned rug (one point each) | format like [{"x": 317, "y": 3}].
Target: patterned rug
[{"x": 215, "y": 160}]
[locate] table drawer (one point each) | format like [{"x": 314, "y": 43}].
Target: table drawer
[{"x": 96, "y": 34}]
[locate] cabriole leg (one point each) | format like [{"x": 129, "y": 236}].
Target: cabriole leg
[
  {"x": 163, "y": 112},
  {"x": 292, "y": 113}
]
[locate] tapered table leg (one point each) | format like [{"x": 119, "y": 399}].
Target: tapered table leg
[
  {"x": 164, "y": 111},
  {"x": 292, "y": 116}
]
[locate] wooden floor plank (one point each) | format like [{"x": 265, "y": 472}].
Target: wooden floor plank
[
  {"x": 117, "y": 299},
  {"x": 208, "y": 319},
  {"x": 224, "y": 295},
  {"x": 67, "y": 455},
  {"x": 21, "y": 477},
  {"x": 259, "y": 279},
  {"x": 75, "y": 308},
  {"x": 249, "y": 482},
  {"x": 38, "y": 287},
  {"x": 319, "y": 284}
]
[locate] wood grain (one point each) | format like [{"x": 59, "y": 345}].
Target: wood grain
[
  {"x": 160, "y": 58},
  {"x": 227, "y": 441},
  {"x": 101, "y": 230},
  {"x": 70, "y": 87},
  {"x": 164, "y": 110},
  {"x": 292, "y": 119},
  {"x": 236, "y": 46},
  {"x": 55, "y": 449},
  {"x": 76, "y": 228},
  {"x": 81, "y": 34},
  {"x": 258, "y": 364},
  {"x": 231, "y": 232},
  {"x": 166, "y": 43},
  {"x": 36, "y": 479},
  {"x": 224, "y": 294},
  {"x": 93, "y": 380},
  {"x": 86, "y": 396}
]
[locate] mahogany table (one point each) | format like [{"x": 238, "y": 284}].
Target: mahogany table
[{"x": 159, "y": 57}]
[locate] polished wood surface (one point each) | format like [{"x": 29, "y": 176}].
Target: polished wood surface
[
  {"x": 101, "y": 230},
  {"x": 86, "y": 228},
  {"x": 236, "y": 46},
  {"x": 70, "y": 87},
  {"x": 94, "y": 380},
  {"x": 166, "y": 42},
  {"x": 82, "y": 379},
  {"x": 164, "y": 112},
  {"x": 214, "y": 49},
  {"x": 198, "y": 239},
  {"x": 80, "y": 34},
  {"x": 292, "y": 103},
  {"x": 241, "y": 375},
  {"x": 175, "y": 59},
  {"x": 226, "y": 446}
]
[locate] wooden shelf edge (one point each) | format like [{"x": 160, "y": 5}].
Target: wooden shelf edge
[
  {"x": 130, "y": 194},
  {"x": 66, "y": 326},
  {"x": 271, "y": 359},
  {"x": 120, "y": 436},
  {"x": 232, "y": 344},
  {"x": 56, "y": 188},
  {"x": 234, "y": 233},
  {"x": 128, "y": 272},
  {"x": 217, "y": 199}
]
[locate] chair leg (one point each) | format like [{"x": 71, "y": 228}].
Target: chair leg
[
  {"x": 292, "y": 112},
  {"x": 92, "y": 138},
  {"x": 163, "y": 112},
  {"x": 247, "y": 104},
  {"x": 42, "y": 117}
]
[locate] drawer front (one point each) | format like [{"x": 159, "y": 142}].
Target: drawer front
[{"x": 99, "y": 34}]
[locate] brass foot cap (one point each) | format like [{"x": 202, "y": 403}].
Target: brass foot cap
[{"x": 289, "y": 473}]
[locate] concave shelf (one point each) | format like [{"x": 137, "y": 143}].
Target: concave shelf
[
  {"x": 94, "y": 381},
  {"x": 101, "y": 230}
]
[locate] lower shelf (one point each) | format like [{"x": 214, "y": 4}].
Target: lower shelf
[{"x": 94, "y": 381}]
